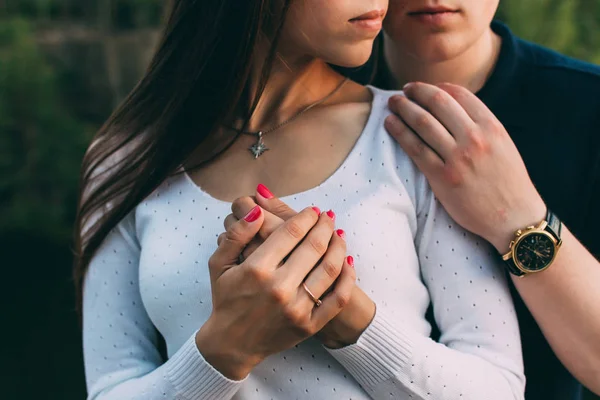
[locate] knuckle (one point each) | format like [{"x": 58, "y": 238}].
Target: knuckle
[
  {"x": 496, "y": 127},
  {"x": 294, "y": 230},
  {"x": 241, "y": 201},
  {"x": 452, "y": 175},
  {"x": 234, "y": 233},
  {"x": 417, "y": 148},
  {"x": 240, "y": 204},
  {"x": 331, "y": 269},
  {"x": 295, "y": 316},
  {"x": 280, "y": 208},
  {"x": 439, "y": 98},
  {"x": 318, "y": 245},
  {"x": 471, "y": 132},
  {"x": 477, "y": 142},
  {"x": 465, "y": 157},
  {"x": 258, "y": 274},
  {"x": 341, "y": 299},
  {"x": 422, "y": 121},
  {"x": 279, "y": 295}
]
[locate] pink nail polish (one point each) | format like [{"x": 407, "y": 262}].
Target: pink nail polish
[
  {"x": 317, "y": 210},
  {"x": 350, "y": 261},
  {"x": 253, "y": 214},
  {"x": 331, "y": 214},
  {"x": 264, "y": 191},
  {"x": 341, "y": 233}
]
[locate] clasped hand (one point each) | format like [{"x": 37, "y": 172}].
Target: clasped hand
[{"x": 260, "y": 306}]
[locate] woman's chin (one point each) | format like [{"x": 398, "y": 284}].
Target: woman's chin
[{"x": 352, "y": 60}]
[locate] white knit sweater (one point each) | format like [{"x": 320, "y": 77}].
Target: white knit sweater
[{"x": 151, "y": 273}]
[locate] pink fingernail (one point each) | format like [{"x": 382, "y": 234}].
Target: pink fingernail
[
  {"x": 350, "y": 261},
  {"x": 317, "y": 210},
  {"x": 331, "y": 214},
  {"x": 253, "y": 214},
  {"x": 341, "y": 233},
  {"x": 264, "y": 191}
]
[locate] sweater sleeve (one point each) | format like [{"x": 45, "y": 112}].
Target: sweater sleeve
[
  {"x": 120, "y": 342},
  {"x": 479, "y": 353}
]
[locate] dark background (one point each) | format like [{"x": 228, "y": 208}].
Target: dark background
[{"x": 64, "y": 65}]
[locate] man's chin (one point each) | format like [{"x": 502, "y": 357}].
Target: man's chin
[{"x": 436, "y": 50}]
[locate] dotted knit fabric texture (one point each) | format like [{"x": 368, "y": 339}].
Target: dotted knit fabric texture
[{"x": 151, "y": 274}]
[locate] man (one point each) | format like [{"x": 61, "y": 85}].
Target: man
[{"x": 549, "y": 105}]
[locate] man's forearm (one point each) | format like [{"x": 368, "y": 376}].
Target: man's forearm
[{"x": 565, "y": 301}]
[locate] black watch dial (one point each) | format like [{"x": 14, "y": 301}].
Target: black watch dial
[{"x": 535, "y": 252}]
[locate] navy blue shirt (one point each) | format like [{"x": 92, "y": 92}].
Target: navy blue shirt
[{"x": 550, "y": 105}]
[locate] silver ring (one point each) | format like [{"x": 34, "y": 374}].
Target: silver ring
[{"x": 317, "y": 301}]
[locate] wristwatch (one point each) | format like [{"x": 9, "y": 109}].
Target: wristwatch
[{"x": 535, "y": 247}]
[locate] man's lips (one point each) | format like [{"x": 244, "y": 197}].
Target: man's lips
[{"x": 433, "y": 10}]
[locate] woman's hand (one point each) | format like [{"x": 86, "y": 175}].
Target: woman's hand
[
  {"x": 472, "y": 165},
  {"x": 355, "y": 317},
  {"x": 260, "y": 306}
]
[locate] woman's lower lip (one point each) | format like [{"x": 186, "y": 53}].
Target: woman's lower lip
[
  {"x": 439, "y": 18},
  {"x": 373, "y": 24}
]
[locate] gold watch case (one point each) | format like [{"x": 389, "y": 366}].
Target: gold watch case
[{"x": 521, "y": 235}]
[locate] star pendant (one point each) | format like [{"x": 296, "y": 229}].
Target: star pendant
[{"x": 258, "y": 148}]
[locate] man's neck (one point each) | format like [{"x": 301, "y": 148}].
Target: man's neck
[{"x": 471, "y": 69}]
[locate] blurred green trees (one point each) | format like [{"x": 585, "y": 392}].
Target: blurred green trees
[
  {"x": 40, "y": 142},
  {"x": 570, "y": 26}
]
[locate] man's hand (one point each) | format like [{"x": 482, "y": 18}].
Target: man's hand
[
  {"x": 469, "y": 159},
  {"x": 355, "y": 317}
]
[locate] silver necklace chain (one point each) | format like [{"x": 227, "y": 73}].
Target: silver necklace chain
[{"x": 258, "y": 148}]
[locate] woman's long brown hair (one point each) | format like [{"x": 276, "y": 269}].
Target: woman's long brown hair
[{"x": 197, "y": 80}]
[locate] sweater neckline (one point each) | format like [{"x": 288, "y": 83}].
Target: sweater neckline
[{"x": 335, "y": 176}]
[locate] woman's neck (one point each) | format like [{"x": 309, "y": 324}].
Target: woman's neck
[
  {"x": 470, "y": 69},
  {"x": 291, "y": 88}
]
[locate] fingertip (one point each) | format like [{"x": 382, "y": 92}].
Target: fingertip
[
  {"x": 395, "y": 101},
  {"x": 264, "y": 192},
  {"x": 350, "y": 261},
  {"x": 391, "y": 121}
]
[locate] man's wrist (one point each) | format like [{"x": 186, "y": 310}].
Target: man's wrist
[{"x": 506, "y": 232}]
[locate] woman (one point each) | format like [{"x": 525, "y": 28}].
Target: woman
[{"x": 159, "y": 181}]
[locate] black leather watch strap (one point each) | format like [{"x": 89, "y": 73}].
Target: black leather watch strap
[
  {"x": 554, "y": 225},
  {"x": 512, "y": 268}
]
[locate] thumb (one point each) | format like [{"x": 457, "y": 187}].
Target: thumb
[
  {"x": 234, "y": 240},
  {"x": 273, "y": 204}
]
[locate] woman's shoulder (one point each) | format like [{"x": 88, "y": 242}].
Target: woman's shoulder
[
  {"x": 380, "y": 146},
  {"x": 381, "y": 98}
]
